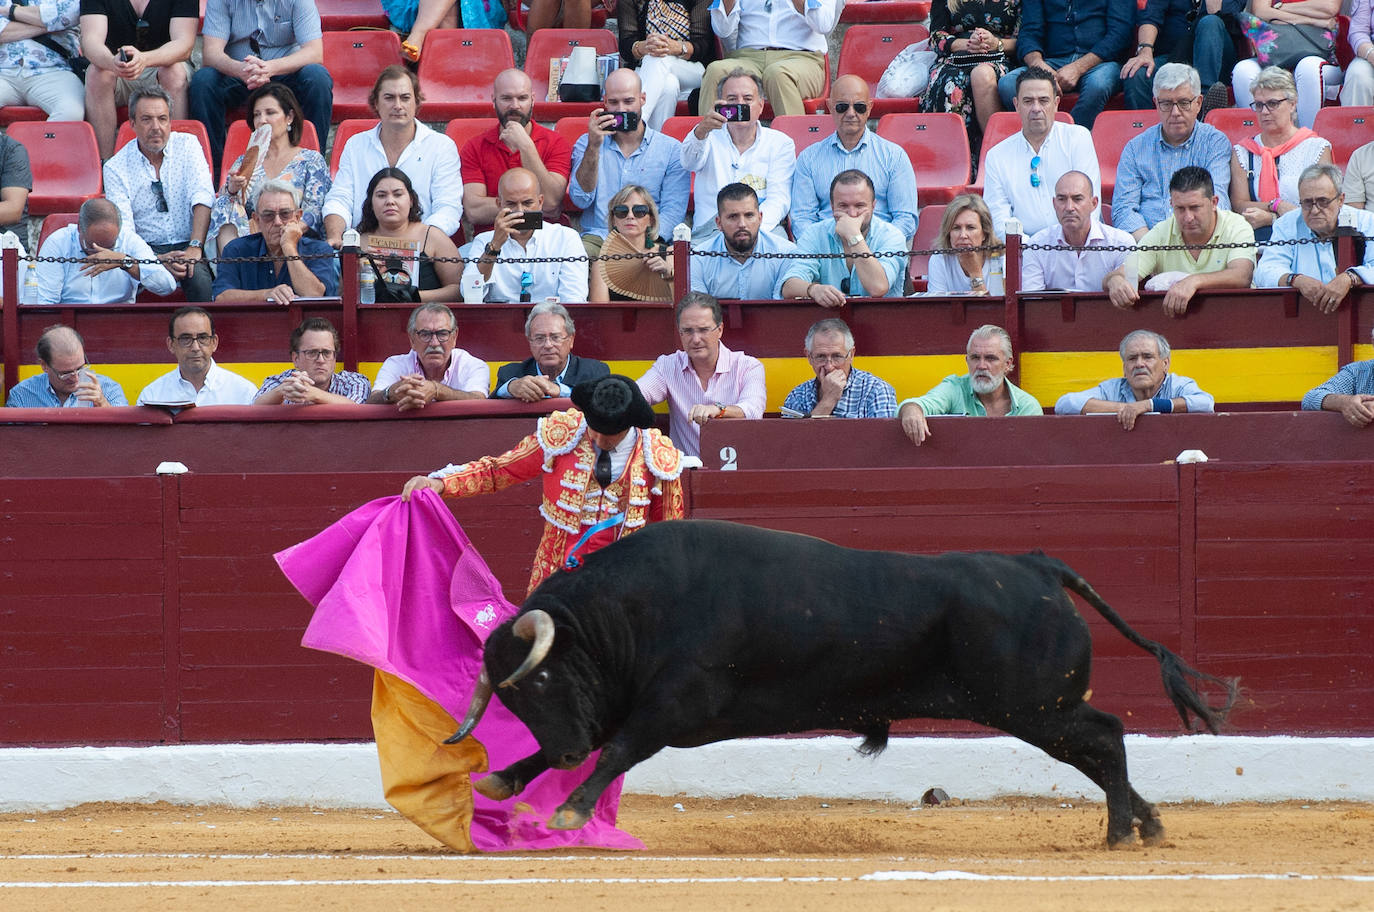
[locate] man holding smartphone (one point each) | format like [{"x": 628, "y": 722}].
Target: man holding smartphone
[
  {"x": 729, "y": 146},
  {"x": 620, "y": 149},
  {"x": 501, "y": 257}
]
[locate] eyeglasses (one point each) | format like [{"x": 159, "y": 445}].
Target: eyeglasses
[
  {"x": 830, "y": 359},
  {"x": 692, "y": 332},
  {"x": 433, "y": 335},
  {"x": 317, "y": 354},
  {"x": 161, "y": 197},
  {"x": 280, "y": 215},
  {"x": 64, "y": 376},
  {"x": 1316, "y": 202},
  {"x": 545, "y": 338},
  {"x": 1182, "y": 105},
  {"x": 186, "y": 340},
  {"x": 860, "y": 107},
  {"x": 1035, "y": 171},
  {"x": 640, "y": 211},
  {"x": 1269, "y": 106}
]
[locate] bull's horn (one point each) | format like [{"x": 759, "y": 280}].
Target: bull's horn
[
  {"x": 481, "y": 696},
  {"x": 532, "y": 625}
]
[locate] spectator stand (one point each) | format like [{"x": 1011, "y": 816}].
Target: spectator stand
[
  {"x": 937, "y": 145},
  {"x": 548, "y": 45},
  {"x": 354, "y": 59},
  {"x": 457, "y": 67},
  {"x": 1112, "y": 131},
  {"x": 1346, "y": 128}
]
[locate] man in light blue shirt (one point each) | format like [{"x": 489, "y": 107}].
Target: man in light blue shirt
[
  {"x": 66, "y": 381},
  {"x": 737, "y": 271},
  {"x": 1311, "y": 268},
  {"x": 1145, "y": 385},
  {"x": 1350, "y": 392},
  {"x": 104, "y": 267},
  {"x": 1141, "y": 198},
  {"x": 607, "y": 157},
  {"x": 867, "y": 253},
  {"x": 852, "y": 145}
]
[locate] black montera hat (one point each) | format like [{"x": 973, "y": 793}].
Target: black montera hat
[{"x": 612, "y": 404}]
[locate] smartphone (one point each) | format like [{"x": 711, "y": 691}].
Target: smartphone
[
  {"x": 624, "y": 121},
  {"x": 531, "y": 221},
  {"x": 124, "y": 56},
  {"x": 733, "y": 113}
]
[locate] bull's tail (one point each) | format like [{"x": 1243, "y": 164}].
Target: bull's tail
[{"x": 1175, "y": 671}]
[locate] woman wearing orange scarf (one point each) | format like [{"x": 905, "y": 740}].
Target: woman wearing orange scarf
[{"x": 1265, "y": 168}]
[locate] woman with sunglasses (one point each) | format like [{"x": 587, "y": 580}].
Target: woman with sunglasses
[
  {"x": 285, "y": 159},
  {"x": 1265, "y": 168},
  {"x": 962, "y": 269},
  {"x": 973, "y": 41},
  {"x": 403, "y": 247},
  {"x": 632, "y": 217}
]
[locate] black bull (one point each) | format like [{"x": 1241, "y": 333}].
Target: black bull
[{"x": 692, "y": 631}]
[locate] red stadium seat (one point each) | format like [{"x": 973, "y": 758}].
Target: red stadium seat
[
  {"x": 457, "y": 67},
  {"x": 1346, "y": 128},
  {"x": 552, "y": 44},
  {"x": 679, "y": 126},
  {"x": 886, "y": 11},
  {"x": 570, "y": 128},
  {"x": 1000, "y": 126},
  {"x": 342, "y": 15},
  {"x": 354, "y": 59},
  {"x": 53, "y": 222},
  {"x": 342, "y": 133},
  {"x": 14, "y": 113},
  {"x": 927, "y": 232},
  {"x": 937, "y": 145},
  {"x": 194, "y": 127},
  {"x": 462, "y": 129},
  {"x": 804, "y": 129},
  {"x": 866, "y": 52},
  {"x": 1111, "y": 131},
  {"x": 1236, "y": 123},
  {"x": 65, "y": 163},
  {"x": 237, "y": 140}
]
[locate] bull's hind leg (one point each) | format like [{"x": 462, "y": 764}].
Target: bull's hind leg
[
  {"x": 512, "y": 780},
  {"x": 1091, "y": 741}
]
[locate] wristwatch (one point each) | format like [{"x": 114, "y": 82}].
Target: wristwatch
[
  {"x": 128, "y": 264},
  {"x": 854, "y": 239},
  {"x": 493, "y": 251},
  {"x": 1355, "y": 279},
  {"x": 198, "y": 245}
]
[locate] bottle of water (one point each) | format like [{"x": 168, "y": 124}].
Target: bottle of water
[
  {"x": 367, "y": 283},
  {"x": 30, "y": 293}
]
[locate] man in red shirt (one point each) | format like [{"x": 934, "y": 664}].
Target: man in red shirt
[{"x": 516, "y": 142}]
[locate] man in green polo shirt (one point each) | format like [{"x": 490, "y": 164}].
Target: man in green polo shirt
[
  {"x": 984, "y": 390},
  {"x": 1200, "y": 226}
]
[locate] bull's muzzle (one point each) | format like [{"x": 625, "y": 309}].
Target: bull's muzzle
[{"x": 533, "y": 625}]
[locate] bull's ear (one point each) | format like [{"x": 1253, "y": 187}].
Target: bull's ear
[{"x": 537, "y": 626}]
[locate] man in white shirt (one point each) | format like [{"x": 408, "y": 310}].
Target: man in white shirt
[
  {"x": 782, "y": 42},
  {"x": 722, "y": 152},
  {"x": 161, "y": 184},
  {"x": 1075, "y": 270},
  {"x": 198, "y": 380},
  {"x": 514, "y": 279},
  {"x": 429, "y": 159},
  {"x": 1022, "y": 170},
  {"x": 434, "y": 370},
  {"x": 110, "y": 272}
]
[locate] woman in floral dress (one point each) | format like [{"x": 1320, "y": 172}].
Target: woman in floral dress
[{"x": 974, "y": 41}]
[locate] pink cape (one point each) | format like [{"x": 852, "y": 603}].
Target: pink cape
[{"x": 400, "y": 587}]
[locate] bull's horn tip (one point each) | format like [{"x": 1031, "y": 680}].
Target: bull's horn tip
[{"x": 459, "y": 735}]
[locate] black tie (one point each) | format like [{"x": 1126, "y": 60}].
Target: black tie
[{"x": 603, "y": 468}]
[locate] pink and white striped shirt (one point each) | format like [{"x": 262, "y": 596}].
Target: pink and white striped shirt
[{"x": 738, "y": 380}]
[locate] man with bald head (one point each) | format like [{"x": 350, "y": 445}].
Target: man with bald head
[
  {"x": 619, "y": 149},
  {"x": 1062, "y": 268},
  {"x": 66, "y": 379},
  {"x": 515, "y": 244},
  {"x": 515, "y": 142},
  {"x": 853, "y": 147},
  {"x": 99, "y": 260}
]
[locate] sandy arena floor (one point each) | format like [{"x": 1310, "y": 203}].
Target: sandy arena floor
[{"x": 718, "y": 855}]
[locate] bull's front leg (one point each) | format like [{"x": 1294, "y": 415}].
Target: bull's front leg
[
  {"x": 512, "y": 780},
  {"x": 617, "y": 756}
]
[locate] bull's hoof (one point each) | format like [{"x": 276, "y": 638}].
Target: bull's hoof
[
  {"x": 495, "y": 787},
  {"x": 567, "y": 819},
  {"x": 1124, "y": 841}
]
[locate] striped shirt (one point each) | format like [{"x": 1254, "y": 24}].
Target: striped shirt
[
  {"x": 865, "y": 396},
  {"x": 343, "y": 383},
  {"x": 1355, "y": 379}
]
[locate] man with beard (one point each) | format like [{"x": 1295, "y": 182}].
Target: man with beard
[
  {"x": 741, "y": 274},
  {"x": 515, "y": 142},
  {"x": 276, "y": 273},
  {"x": 429, "y": 159},
  {"x": 313, "y": 379},
  {"x": 434, "y": 370},
  {"x": 873, "y": 249},
  {"x": 1145, "y": 385},
  {"x": 1051, "y": 264},
  {"x": 983, "y": 391}
]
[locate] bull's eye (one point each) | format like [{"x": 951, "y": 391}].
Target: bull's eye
[{"x": 540, "y": 679}]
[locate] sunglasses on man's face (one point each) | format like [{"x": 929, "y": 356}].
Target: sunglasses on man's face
[
  {"x": 640, "y": 211},
  {"x": 860, "y": 107}
]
